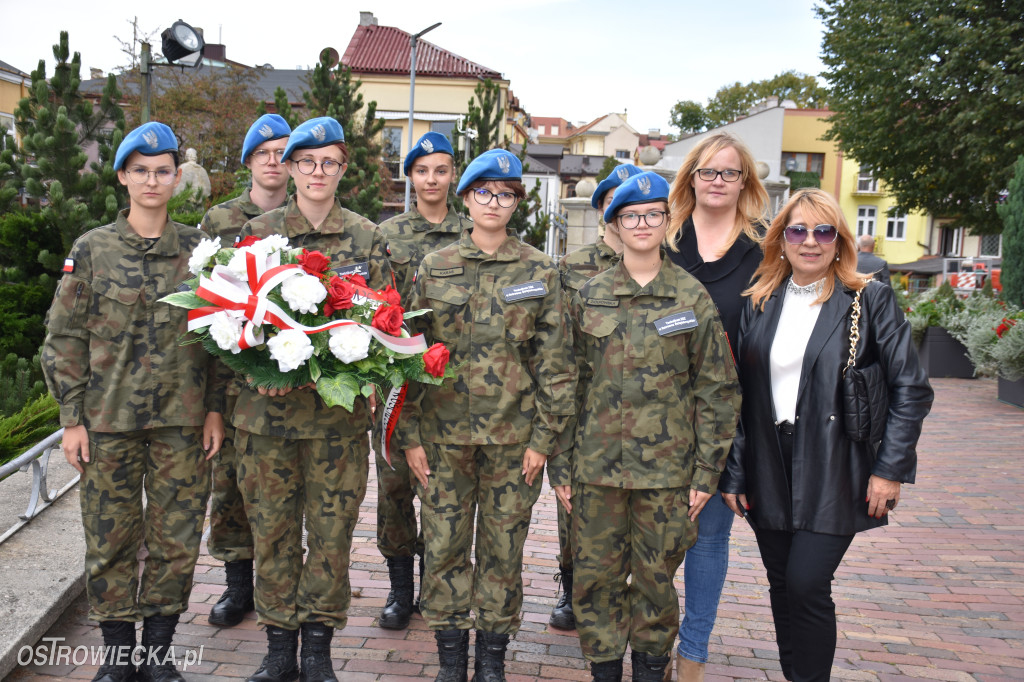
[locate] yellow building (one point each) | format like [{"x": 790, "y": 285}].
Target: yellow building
[{"x": 14, "y": 86}]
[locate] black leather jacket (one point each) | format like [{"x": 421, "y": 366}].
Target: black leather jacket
[{"x": 830, "y": 472}]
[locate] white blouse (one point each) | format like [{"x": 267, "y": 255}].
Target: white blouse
[{"x": 796, "y": 322}]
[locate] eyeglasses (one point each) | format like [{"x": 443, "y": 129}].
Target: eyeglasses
[
  {"x": 483, "y": 197},
  {"x": 262, "y": 156},
  {"x": 140, "y": 176},
  {"x": 728, "y": 175},
  {"x": 328, "y": 166},
  {"x": 823, "y": 234},
  {"x": 631, "y": 221}
]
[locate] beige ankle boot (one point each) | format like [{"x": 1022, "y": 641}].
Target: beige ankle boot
[{"x": 687, "y": 670}]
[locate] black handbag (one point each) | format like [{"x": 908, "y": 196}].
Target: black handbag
[{"x": 865, "y": 391}]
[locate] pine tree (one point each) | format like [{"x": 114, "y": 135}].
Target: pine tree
[
  {"x": 283, "y": 108},
  {"x": 484, "y": 117},
  {"x": 1012, "y": 213}
]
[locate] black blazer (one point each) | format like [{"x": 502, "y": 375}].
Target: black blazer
[{"x": 830, "y": 472}]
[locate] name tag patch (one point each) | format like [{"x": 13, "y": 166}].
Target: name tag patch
[
  {"x": 676, "y": 322},
  {"x": 183, "y": 287},
  {"x": 604, "y": 302},
  {"x": 447, "y": 272},
  {"x": 354, "y": 269},
  {"x": 519, "y": 292}
]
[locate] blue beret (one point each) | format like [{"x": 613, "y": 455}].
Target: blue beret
[
  {"x": 267, "y": 127},
  {"x": 495, "y": 164},
  {"x": 314, "y": 133},
  {"x": 150, "y": 139},
  {"x": 430, "y": 143},
  {"x": 614, "y": 179},
  {"x": 639, "y": 189}
]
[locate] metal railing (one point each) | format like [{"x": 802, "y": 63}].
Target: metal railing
[{"x": 36, "y": 459}]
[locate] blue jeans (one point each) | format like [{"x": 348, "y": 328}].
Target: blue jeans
[{"x": 705, "y": 567}]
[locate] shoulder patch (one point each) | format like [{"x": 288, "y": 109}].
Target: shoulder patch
[
  {"x": 676, "y": 322},
  {"x": 519, "y": 292},
  {"x": 604, "y": 302},
  {"x": 362, "y": 268},
  {"x": 69, "y": 265},
  {"x": 447, "y": 272}
]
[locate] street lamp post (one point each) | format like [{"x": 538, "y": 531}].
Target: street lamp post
[
  {"x": 412, "y": 96},
  {"x": 179, "y": 41}
]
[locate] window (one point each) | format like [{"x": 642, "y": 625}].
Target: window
[
  {"x": 866, "y": 181},
  {"x": 896, "y": 227},
  {"x": 391, "y": 150},
  {"x": 802, "y": 162},
  {"x": 554, "y": 130},
  {"x": 446, "y": 128},
  {"x": 6, "y": 128},
  {"x": 866, "y": 220},
  {"x": 621, "y": 153},
  {"x": 540, "y": 130},
  {"x": 991, "y": 245}
]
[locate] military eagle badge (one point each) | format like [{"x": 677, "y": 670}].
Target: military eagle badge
[
  {"x": 319, "y": 132},
  {"x": 427, "y": 146},
  {"x": 265, "y": 130},
  {"x": 151, "y": 139},
  {"x": 504, "y": 164},
  {"x": 644, "y": 184}
]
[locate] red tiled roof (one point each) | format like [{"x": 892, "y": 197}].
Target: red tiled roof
[{"x": 385, "y": 50}]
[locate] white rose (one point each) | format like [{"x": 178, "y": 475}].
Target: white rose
[
  {"x": 226, "y": 331},
  {"x": 202, "y": 254},
  {"x": 269, "y": 245},
  {"x": 350, "y": 343},
  {"x": 291, "y": 348},
  {"x": 237, "y": 264},
  {"x": 303, "y": 292}
]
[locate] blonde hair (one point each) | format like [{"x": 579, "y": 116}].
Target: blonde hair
[
  {"x": 752, "y": 207},
  {"x": 816, "y": 206}
]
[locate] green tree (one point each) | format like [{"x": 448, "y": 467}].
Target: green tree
[
  {"x": 484, "y": 116},
  {"x": 688, "y": 116},
  {"x": 930, "y": 94},
  {"x": 610, "y": 164},
  {"x": 1012, "y": 213},
  {"x": 283, "y": 108},
  {"x": 332, "y": 92}
]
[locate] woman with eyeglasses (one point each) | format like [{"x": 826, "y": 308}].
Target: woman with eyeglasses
[
  {"x": 659, "y": 406},
  {"x": 805, "y": 487},
  {"x": 719, "y": 209},
  {"x": 296, "y": 456},
  {"x": 477, "y": 444}
]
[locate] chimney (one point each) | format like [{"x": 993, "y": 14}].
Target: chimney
[
  {"x": 95, "y": 73},
  {"x": 654, "y": 133},
  {"x": 367, "y": 19},
  {"x": 215, "y": 51}
]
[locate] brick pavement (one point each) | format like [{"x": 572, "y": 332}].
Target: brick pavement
[{"x": 938, "y": 595}]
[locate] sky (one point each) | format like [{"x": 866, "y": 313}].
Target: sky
[{"x": 573, "y": 59}]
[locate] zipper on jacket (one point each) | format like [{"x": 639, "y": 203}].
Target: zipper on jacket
[{"x": 78, "y": 296}]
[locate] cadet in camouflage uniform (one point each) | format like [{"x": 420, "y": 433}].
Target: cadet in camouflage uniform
[
  {"x": 478, "y": 444},
  {"x": 230, "y": 538},
  {"x": 136, "y": 408},
  {"x": 429, "y": 226},
  {"x": 659, "y": 410},
  {"x": 297, "y": 455},
  {"x": 575, "y": 269}
]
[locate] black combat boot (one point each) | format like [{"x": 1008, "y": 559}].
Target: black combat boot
[
  {"x": 606, "y": 671},
  {"x": 237, "y": 600},
  {"x": 316, "y": 653},
  {"x": 562, "y": 616},
  {"x": 489, "y": 665},
  {"x": 419, "y": 595},
  {"x": 119, "y": 643},
  {"x": 279, "y": 665},
  {"x": 648, "y": 668},
  {"x": 398, "y": 610},
  {"x": 453, "y": 653},
  {"x": 157, "y": 662}
]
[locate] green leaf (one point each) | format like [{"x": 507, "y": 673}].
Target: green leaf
[
  {"x": 338, "y": 390},
  {"x": 367, "y": 390},
  {"x": 416, "y": 313},
  {"x": 184, "y": 299},
  {"x": 314, "y": 369}
]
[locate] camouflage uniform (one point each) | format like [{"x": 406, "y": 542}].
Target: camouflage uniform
[
  {"x": 113, "y": 361},
  {"x": 657, "y": 419},
  {"x": 502, "y": 317},
  {"x": 230, "y": 535},
  {"x": 299, "y": 456},
  {"x": 575, "y": 269},
  {"x": 410, "y": 237}
]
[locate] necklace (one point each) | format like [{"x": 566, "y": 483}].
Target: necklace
[{"x": 812, "y": 289}]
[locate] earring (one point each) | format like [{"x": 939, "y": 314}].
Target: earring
[
  {"x": 782, "y": 256},
  {"x": 837, "y": 257}
]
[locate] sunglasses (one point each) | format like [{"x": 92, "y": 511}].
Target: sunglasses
[{"x": 823, "y": 234}]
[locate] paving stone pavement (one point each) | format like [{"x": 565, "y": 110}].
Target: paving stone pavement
[{"x": 938, "y": 595}]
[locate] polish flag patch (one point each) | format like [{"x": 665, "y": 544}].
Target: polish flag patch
[{"x": 69, "y": 265}]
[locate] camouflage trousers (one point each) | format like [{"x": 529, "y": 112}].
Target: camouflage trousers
[
  {"x": 230, "y": 535},
  {"x": 396, "y": 516},
  {"x": 170, "y": 465},
  {"x": 629, "y": 544},
  {"x": 282, "y": 480},
  {"x": 565, "y": 543},
  {"x": 479, "y": 485}
]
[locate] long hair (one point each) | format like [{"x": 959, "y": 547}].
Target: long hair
[
  {"x": 752, "y": 207},
  {"x": 817, "y": 207}
]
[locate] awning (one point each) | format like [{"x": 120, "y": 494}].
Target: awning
[{"x": 417, "y": 115}]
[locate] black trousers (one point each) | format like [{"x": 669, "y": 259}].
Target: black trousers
[{"x": 801, "y": 566}]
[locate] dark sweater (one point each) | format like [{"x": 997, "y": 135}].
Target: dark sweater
[{"x": 725, "y": 279}]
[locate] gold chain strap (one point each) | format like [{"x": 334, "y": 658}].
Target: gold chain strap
[{"x": 854, "y": 332}]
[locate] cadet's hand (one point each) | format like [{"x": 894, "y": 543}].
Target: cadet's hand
[
  {"x": 417, "y": 459},
  {"x": 697, "y": 502},
  {"x": 213, "y": 433},
  {"x": 564, "y": 493},
  {"x": 738, "y": 503},
  {"x": 76, "y": 446},
  {"x": 883, "y": 496},
  {"x": 533, "y": 464}
]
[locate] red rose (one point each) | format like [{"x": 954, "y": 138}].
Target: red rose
[
  {"x": 390, "y": 294},
  {"x": 248, "y": 241},
  {"x": 388, "y": 319},
  {"x": 435, "y": 360},
  {"x": 339, "y": 295},
  {"x": 356, "y": 279},
  {"x": 314, "y": 262}
]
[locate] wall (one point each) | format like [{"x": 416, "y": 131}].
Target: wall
[
  {"x": 802, "y": 131},
  {"x": 762, "y": 133}
]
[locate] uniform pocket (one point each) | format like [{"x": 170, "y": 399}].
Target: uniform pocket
[
  {"x": 449, "y": 305},
  {"x": 113, "y": 308},
  {"x": 598, "y": 323}
]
